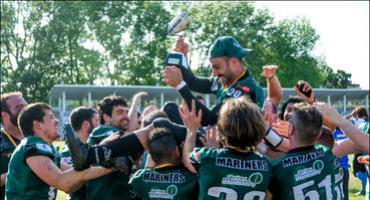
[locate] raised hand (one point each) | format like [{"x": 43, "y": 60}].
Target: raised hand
[
  {"x": 172, "y": 76},
  {"x": 190, "y": 118},
  {"x": 268, "y": 71},
  {"x": 305, "y": 89},
  {"x": 182, "y": 46}
]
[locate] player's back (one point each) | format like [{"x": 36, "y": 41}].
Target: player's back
[
  {"x": 230, "y": 174},
  {"x": 304, "y": 173}
]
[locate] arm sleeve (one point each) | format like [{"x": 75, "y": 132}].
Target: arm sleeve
[
  {"x": 201, "y": 85},
  {"x": 209, "y": 117},
  {"x": 38, "y": 150}
]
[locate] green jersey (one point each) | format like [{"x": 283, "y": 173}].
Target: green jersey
[
  {"x": 80, "y": 194},
  {"x": 165, "y": 183},
  {"x": 21, "y": 182},
  {"x": 7, "y": 148},
  {"x": 232, "y": 175},
  {"x": 113, "y": 185},
  {"x": 305, "y": 173},
  {"x": 245, "y": 85}
]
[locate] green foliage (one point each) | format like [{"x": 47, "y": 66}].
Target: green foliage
[{"x": 126, "y": 43}]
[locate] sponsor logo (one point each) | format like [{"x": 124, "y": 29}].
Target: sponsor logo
[
  {"x": 169, "y": 193},
  {"x": 316, "y": 169},
  {"x": 251, "y": 181}
]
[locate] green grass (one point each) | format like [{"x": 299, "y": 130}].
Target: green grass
[{"x": 353, "y": 186}]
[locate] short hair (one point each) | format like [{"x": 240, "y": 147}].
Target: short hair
[
  {"x": 4, "y": 98},
  {"x": 241, "y": 123},
  {"x": 30, "y": 113},
  {"x": 79, "y": 115},
  {"x": 291, "y": 100},
  {"x": 162, "y": 143},
  {"x": 307, "y": 121},
  {"x": 360, "y": 112},
  {"x": 326, "y": 138},
  {"x": 149, "y": 118},
  {"x": 105, "y": 106}
]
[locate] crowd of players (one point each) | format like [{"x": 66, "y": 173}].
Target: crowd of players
[{"x": 241, "y": 148}]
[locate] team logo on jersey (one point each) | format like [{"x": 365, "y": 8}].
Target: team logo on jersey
[
  {"x": 169, "y": 193},
  {"x": 44, "y": 147},
  {"x": 251, "y": 181},
  {"x": 316, "y": 169}
]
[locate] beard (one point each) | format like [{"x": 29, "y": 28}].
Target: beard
[{"x": 13, "y": 119}]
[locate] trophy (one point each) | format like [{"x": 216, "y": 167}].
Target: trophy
[{"x": 175, "y": 26}]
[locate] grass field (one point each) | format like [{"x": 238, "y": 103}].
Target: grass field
[{"x": 354, "y": 183}]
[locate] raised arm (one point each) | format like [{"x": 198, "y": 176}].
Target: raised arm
[
  {"x": 132, "y": 114},
  {"x": 274, "y": 91},
  {"x": 192, "y": 122},
  {"x": 359, "y": 138}
]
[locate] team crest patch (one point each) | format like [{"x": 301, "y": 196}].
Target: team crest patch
[
  {"x": 251, "y": 181},
  {"x": 316, "y": 169},
  {"x": 169, "y": 193},
  {"x": 44, "y": 147}
]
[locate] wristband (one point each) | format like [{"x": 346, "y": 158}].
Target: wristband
[
  {"x": 262, "y": 148},
  {"x": 272, "y": 138},
  {"x": 181, "y": 85}
]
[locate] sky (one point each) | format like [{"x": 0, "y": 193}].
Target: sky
[{"x": 343, "y": 27}]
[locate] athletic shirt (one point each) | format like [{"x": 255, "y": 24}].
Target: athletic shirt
[
  {"x": 245, "y": 85},
  {"x": 173, "y": 182},
  {"x": 306, "y": 173},
  {"x": 21, "y": 182},
  {"x": 7, "y": 146},
  {"x": 229, "y": 174},
  {"x": 113, "y": 186},
  {"x": 80, "y": 194}
]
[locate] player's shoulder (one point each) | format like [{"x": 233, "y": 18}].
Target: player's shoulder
[{"x": 33, "y": 145}]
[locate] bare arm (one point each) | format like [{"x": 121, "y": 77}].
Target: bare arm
[
  {"x": 344, "y": 147},
  {"x": 67, "y": 181},
  {"x": 274, "y": 91},
  {"x": 359, "y": 138},
  {"x": 132, "y": 114},
  {"x": 192, "y": 122},
  {"x": 3, "y": 179}
]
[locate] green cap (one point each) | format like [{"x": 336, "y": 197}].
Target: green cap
[{"x": 227, "y": 46}]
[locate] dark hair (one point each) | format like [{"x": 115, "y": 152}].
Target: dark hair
[
  {"x": 162, "y": 143},
  {"x": 326, "y": 138},
  {"x": 172, "y": 111},
  {"x": 360, "y": 112},
  {"x": 30, "y": 113},
  {"x": 79, "y": 115},
  {"x": 149, "y": 118},
  {"x": 3, "y": 102},
  {"x": 291, "y": 100},
  {"x": 307, "y": 121},
  {"x": 240, "y": 123},
  {"x": 106, "y": 105}
]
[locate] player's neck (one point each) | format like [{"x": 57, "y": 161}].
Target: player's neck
[
  {"x": 295, "y": 145},
  {"x": 13, "y": 131},
  {"x": 82, "y": 135}
]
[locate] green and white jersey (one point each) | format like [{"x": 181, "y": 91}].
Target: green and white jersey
[
  {"x": 339, "y": 174},
  {"x": 113, "y": 186},
  {"x": 176, "y": 183},
  {"x": 7, "y": 146},
  {"x": 245, "y": 85},
  {"x": 80, "y": 194},
  {"x": 21, "y": 182},
  {"x": 305, "y": 173},
  {"x": 232, "y": 175}
]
